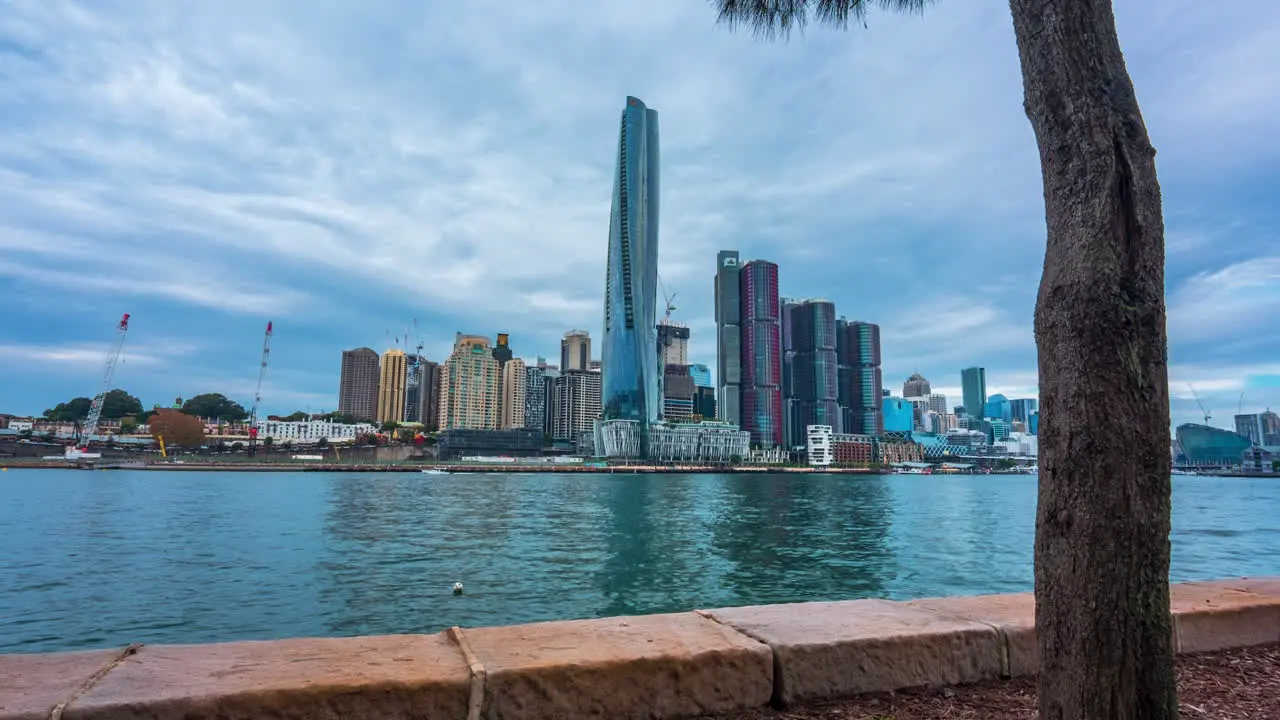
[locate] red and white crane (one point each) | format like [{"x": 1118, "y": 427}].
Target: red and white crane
[
  {"x": 257, "y": 394},
  {"x": 80, "y": 450}
]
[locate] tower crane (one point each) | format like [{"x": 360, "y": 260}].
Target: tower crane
[
  {"x": 1202, "y": 409},
  {"x": 257, "y": 394},
  {"x": 90, "y": 428}
]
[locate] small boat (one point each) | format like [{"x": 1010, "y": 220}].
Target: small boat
[
  {"x": 434, "y": 471},
  {"x": 1177, "y": 471}
]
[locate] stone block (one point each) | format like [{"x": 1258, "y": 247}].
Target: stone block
[
  {"x": 1014, "y": 618},
  {"x": 394, "y": 676},
  {"x": 1214, "y": 616},
  {"x": 651, "y": 666},
  {"x": 1256, "y": 585},
  {"x": 829, "y": 650},
  {"x": 31, "y": 685}
]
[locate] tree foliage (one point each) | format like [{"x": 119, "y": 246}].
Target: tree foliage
[
  {"x": 177, "y": 428},
  {"x": 74, "y": 410},
  {"x": 216, "y": 406}
]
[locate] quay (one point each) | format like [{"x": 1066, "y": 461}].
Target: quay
[{"x": 678, "y": 665}]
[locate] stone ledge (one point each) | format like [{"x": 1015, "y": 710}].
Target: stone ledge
[{"x": 656, "y": 666}]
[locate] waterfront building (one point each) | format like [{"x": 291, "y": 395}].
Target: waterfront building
[
  {"x": 898, "y": 414},
  {"x": 535, "y": 397},
  {"x": 861, "y": 385},
  {"x": 469, "y": 385},
  {"x": 514, "y": 389},
  {"x": 728, "y": 314},
  {"x": 1210, "y": 446},
  {"x": 576, "y": 403},
  {"x": 575, "y": 350},
  {"x": 1260, "y": 428},
  {"x": 761, "y": 358},
  {"x": 673, "y": 343},
  {"x": 678, "y": 393},
  {"x": 358, "y": 384},
  {"x": 1021, "y": 409},
  {"x": 814, "y": 369},
  {"x": 702, "y": 442},
  {"x": 916, "y": 386},
  {"x": 630, "y": 383},
  {"x": 391, "y": 386},
  {"x": 819, "y": 445},
  {"x": 828, "y": 447},
  {"x": 421, "y": 388},
  {"x": 1258, "y": 459},
  {"x": 998, "y": 407},
  {"x": 308, "y": 432},
  {"x": 973, "y": 383},
  {"x": 462, "y": 443},
  {"x": 701, "y": 375}
]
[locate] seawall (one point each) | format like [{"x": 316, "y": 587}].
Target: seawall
[{"x": 651, "y": 666}]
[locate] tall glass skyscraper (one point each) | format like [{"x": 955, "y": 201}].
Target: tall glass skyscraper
[
  {"x": 861, "y": 384},
  {"x": 814, "y": 367},
  {"x": 761, "y": 328},
  {"x": 973, "y": 382},
  {"x": 629, "y": 355}
]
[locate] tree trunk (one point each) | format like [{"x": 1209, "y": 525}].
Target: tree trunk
[{"x": 1102, "y": 524}]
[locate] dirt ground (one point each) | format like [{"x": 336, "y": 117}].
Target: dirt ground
[{"x": 1230, "y": 685}]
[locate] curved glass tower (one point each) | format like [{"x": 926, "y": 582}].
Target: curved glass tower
[{"x": 629, "y": 357}]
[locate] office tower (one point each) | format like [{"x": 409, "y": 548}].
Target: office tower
[
  {"x": 358, "y": 384},
  {"x": 421, "y": 403},
  {"x": 575, "y": 350},
  {"x": 514, "y": 387},
  {"x": 629, "y": 360},
  {"x": 576, "y": 402},
  {"x": 469, "y": 385},
  {"x": 998, "y": 407},
  {"x": 678, "y": 393},
  {"x": 673, "y": 344},
  {"x": 1021, "y": 409},
  {"x": 973, "y": 383},
  {"x": 535, "y": 396},
  {"x": 916, "y": 386},
  {"x": 728, "y": 337},
  {"x": 761, "y": 359},
  {"x": 938, "y": 403},
  {"x": 1260, "y": 428},
  {"x": 701, "y": 375},
  {"x": 550, "y": 398},
  {"x": 861, "y": 392},
  {"x": 814, "y": 368},
  {"x": 704, "y": 401},
  {"x": 794, "y": 433},
  {"x": 391, "y": 384}
]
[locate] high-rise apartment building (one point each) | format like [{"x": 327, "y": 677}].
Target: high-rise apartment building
[
  {"x": 577, "y": 396},
  {"x": 761, "y": 359},
  {"x": 535, "y": 396},
  {"x": 728, "y": 309},
  {"x": 1261, "y": 428},
  {"x": 391, "y": 386},
  {"x": 973, "y": 384},
  {"x": 916, "y": 386},
  {"x": 938, "y": 403},
  {"x": 575, "y": 350},
  {"x": 358, "y": 384},
  {"x": 514, "y": 394},
  {"x": 815, "y": 374},
  {"x": 469, "y": 385},
  {"x": 861, "y": 394},
  {"x": 673, "y": 344},
  {"x": 630, "y": 375},
  {"x": 421, "y": 399}
]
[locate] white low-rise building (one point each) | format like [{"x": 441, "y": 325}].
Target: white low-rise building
[
  {"x": 820, "y": 445},
  {"x": 309, "y": 431}
]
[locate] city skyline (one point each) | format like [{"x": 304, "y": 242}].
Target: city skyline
[{"x": 179, "y": 203}]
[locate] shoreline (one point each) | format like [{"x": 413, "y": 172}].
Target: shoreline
[{"x": 676, "y": 665}]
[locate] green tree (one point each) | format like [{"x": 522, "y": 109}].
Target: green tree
[
  {"x": 74, "y": 410},
  {"x": 268, "y": 441},
  {"x": 1103, "y": 518},
  {"x": 214, "y": 405},
  {"x": 322, "y": 442},
  {"x": 117, "y": 404},
  {"x": 296, "y": 416},
  {"x": 390, "y": 426}
]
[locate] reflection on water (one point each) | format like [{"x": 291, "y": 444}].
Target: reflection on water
[{"x": 101, "y": 559}]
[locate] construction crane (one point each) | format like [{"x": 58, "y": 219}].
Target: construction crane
[
  {"x": 79, "y": 451},
  {"x": 1202, "y": 409},
  {"x": 257, "y": 394}
]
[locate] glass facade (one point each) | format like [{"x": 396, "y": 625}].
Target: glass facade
[
  {"x": 899, "y": 415},
  {"x": 728, "y": 337},
  {"x": 973, "y": 382},
  {"x": 701, "y": 375},
  {"x": 761, "y": 354},
  {"x": 1206, "y": 445},
  {"x": 629, "y": 358},
  {"x": 861, "y": 385},
  {"x": 814, "y": 368},
  {"x": 998, "y": 407},
  {"x": 1021, "y": 409}
]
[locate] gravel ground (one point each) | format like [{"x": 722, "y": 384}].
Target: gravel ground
[{"x": 1230, "y": 685}]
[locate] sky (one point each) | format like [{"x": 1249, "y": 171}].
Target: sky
[{"x": 362, "y": 172}]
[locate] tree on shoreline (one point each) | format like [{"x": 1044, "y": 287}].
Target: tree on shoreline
[{"x": 1103, "y": 517}]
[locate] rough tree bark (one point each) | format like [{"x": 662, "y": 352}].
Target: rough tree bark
[{"x": 1102, "y": 524}]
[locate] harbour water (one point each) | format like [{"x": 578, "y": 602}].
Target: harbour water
[{"x": 99, "y": 559}]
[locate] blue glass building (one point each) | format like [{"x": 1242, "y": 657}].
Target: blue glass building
[
  {"x": 899, "y": 415},
  {"x": 998, "y": 407},
  {"x": 629, "y": 358},
  {"x": 701, "y": 375}
]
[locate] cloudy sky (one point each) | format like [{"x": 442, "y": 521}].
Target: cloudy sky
[{"x": 345, "y": 168}]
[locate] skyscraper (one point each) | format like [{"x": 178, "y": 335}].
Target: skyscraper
[
  {"x": 814, "y": 368},
  {"x": 761, "y": 358},
  {"x": 728, "y": 337},
  {"x": 630, "y": 380},
  {"x": 673, "y": 344},
  {"x": 861, "y": 383},
  {"x": 916, "y": 386},
  {"x": 358, "y": 384},
  {"x": 576, "y": 403},
  {"x": 391, "y": 384},
  {"x": 469, "y": 385},
  {"x": 973, "y": 383},
  {"x": 575, "y": 350},
  {"x": 535, "y": 396},
  {"x": 514, "y": 393},
  {"x": 422, "y": 382}
]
